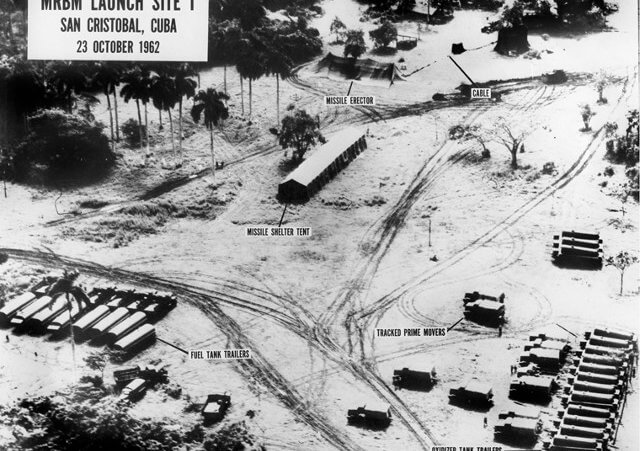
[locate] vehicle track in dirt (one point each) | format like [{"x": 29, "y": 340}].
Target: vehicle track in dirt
[
  {"x": 258, "y": 368},
  {"x": 385, "y": 231},
  {"x": 574, "y": 170}
]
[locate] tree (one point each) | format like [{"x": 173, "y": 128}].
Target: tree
[
  {"x": 136, "y": 87},
  {"x": 185, "y": 87},
  {"x": 513, "y": 16},
  {"x": 106, "y": 77},
  {"x": 602, "y": 81},
  {"x": 621, "y": 262},
  {"x": 164, "y": 97},
  {"x": 248, "y": 12},
  {"x": 300, "y": 131},
  {"x": 470, "y": 132},
  {"x": 97, "y": 361},
  {"x": 278, "y": 63},
  {"x": 503, "y": 134},
  {"x": 384, "y": 35},
  {"x": 251, "y": 62},
  {"x": 211, "y": 106},
  {"x": 338, "y": 28},
  {"x": 354, "y": 45},
  {"x": 66, "y": 285},
  {"x": 587, "y": 114},
  {"x": 67, "y": 81},
  {"x": 61, "y": 145}
]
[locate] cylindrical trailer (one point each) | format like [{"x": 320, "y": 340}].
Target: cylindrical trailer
[
  {"x": 14, "y": 305},
  {"x": 124, "y": 327},
  {"x": 139, "y": 338},
  {"x": 30, "y": 310},
  {"x": 107, "y": 322},
  {"x": 87, "y": 320}
]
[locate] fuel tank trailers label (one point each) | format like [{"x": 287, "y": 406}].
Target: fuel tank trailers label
[
  {"x": 411, "y": 332},
  {"x": 220, "y": 354},
  {"x": 118, "y": 30}
]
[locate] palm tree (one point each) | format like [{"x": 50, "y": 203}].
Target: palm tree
[
  {"x": 135, "y": 88},
  {"x": 185, "y": 87},
  {"x": 164, "y": 97},
  {"x": 66, "y": 285},
  {"x": 251, "y": 64},
  {"x": 279, "y": 64},
  {"x": 211, "y": 106},
  {"x": 106, "y": 77}
]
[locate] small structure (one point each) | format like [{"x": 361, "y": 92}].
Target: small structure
[
  {"x": 473, "y": 392},
  {"x": 215, "y": 407},
  {"x": 416, "y": 379},
  {"x": 366, "y": 70},
  {"x": 512, "y": 40},
  {"x": 406, "y": 42},
  {"x": 370, "y": 414},
  {"x": 577, "y": 249},
  {"x": 322, "y": 165},
  {"x": 457, "y": 48},
  {"x": 537, "y": 389}
]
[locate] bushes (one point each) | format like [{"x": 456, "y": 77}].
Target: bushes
[
  {"x": 131, "y": 131},
  {"x": 61, "y": 145},
  {"x": 384, "y": 35}
]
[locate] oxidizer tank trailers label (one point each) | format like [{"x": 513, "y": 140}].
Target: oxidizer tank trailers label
[{"x": 118, "y": 30}]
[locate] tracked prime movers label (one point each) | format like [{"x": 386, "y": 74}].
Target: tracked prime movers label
[
  {"x": 118, "y": 30},
  {"x": 220, "y": 354},
  {"x": 412, "y": 332}
]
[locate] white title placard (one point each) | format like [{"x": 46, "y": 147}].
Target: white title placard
[{"x": 118, "y": 30}]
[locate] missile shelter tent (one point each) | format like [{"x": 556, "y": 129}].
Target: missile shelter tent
[
  {"x": 322, "y": 165},
  {"x": 364, "y": 70}
]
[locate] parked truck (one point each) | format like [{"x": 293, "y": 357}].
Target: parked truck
[
  {"x": 421, "y": 379},
  {"x": 472, "y": 392},
  {"x": 370, "y": 414},
  {"x": 215, "y": 407}
]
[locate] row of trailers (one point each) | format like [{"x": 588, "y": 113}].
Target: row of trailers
[
  {"x": 535, "y": 381},
  {"x": 595, "y": 397},
  {"x": 121, "y": 319}
]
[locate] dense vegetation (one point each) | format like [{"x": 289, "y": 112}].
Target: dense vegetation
[
  {"x": 241, "y": 34},
  {"x": 67, "y": 423}
]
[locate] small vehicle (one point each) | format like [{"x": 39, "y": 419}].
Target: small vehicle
[
  {"x": 417, "y": 379},
  {"x": 534, "y": 388},
  {"x": 126, "y": 375},
  {"x": 215, "y": 407},
  {"x": 134, "y": 389},
  {"x": 370, "y": 414},
  {"x": 473, "y": 392},
  {"x": 518, "y": 428}
]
